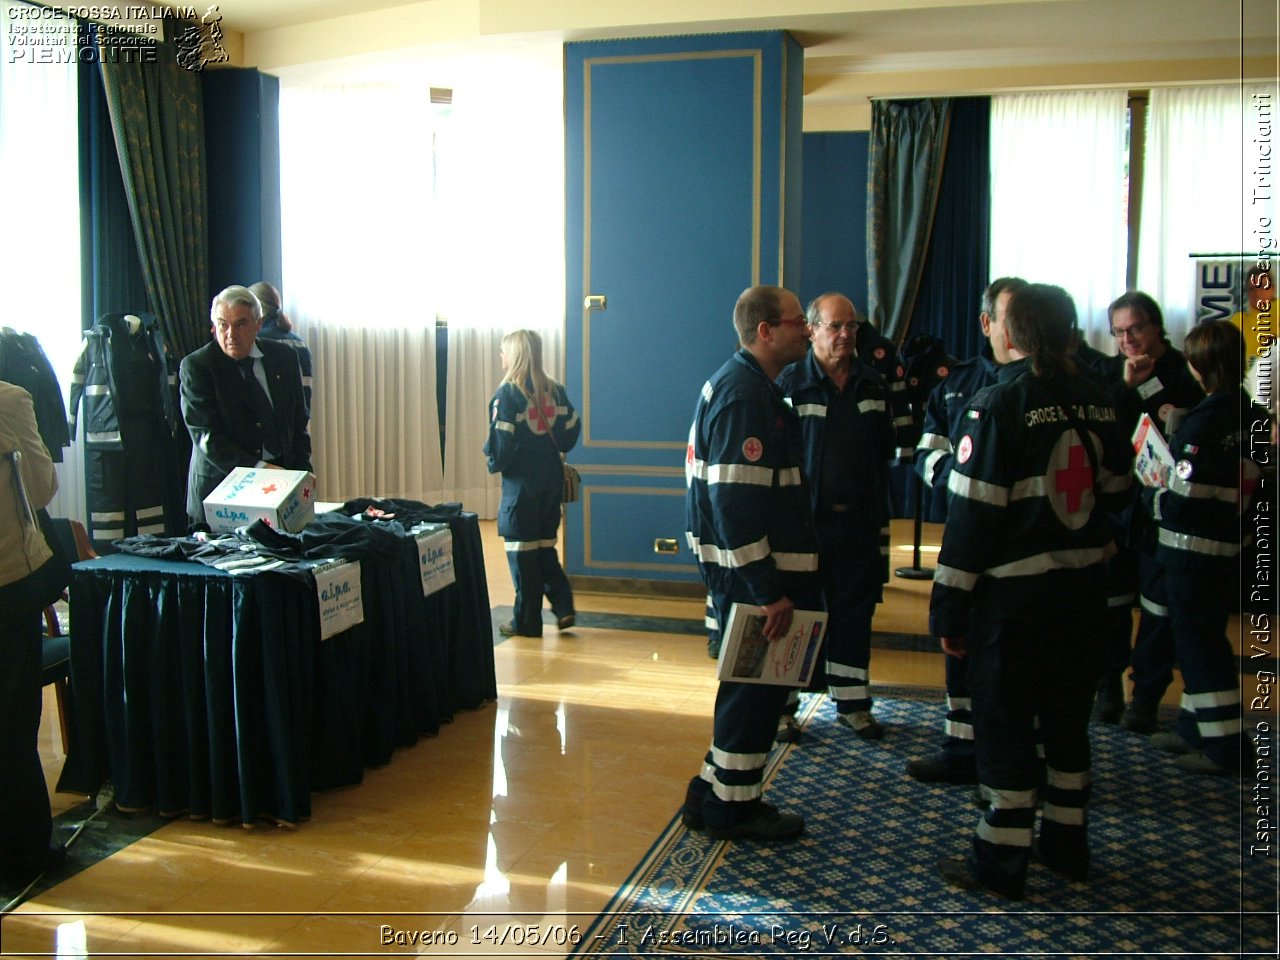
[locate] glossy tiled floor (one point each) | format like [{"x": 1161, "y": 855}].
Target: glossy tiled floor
[{"x": 529, "y": 810}]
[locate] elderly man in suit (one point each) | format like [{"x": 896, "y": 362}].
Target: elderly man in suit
[{"x": 242, "y": 400}]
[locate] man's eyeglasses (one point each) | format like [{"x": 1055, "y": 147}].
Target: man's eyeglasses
[{"x": 1129, "y": 332}]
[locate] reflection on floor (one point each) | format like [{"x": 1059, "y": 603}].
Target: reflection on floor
[{"x": 531, "y": 809}]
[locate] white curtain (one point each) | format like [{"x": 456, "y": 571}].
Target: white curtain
[
  {"x": 1205, "y": 147},
  {"x": 396, "y": 214},
  {"x": 1059, "y": 196},
  {"x": 40, "y": 247},
  {"x": 360, "y": 237},
  {"x": 502, "y": 184}
]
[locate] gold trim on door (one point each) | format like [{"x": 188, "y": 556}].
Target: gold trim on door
[
  {"x": 757, "y": 56},
  {"x": 587, "y": 526}
]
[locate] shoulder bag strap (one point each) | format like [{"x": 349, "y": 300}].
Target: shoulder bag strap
[{"x": 537, "y": 406}]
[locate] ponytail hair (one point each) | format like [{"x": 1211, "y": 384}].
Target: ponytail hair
[
  {"x": 1041, "y": 321},
  {"x": 269, "y": 297}
]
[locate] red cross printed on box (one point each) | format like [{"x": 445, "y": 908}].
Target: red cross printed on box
[
  {"x": 270, "y": 488},
  {"x": 1075, "y": 479}
]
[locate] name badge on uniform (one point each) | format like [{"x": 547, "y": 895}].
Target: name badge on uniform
[{"x": 1150, "y": 388}]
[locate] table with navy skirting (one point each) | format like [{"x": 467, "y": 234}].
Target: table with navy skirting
[{"x": 202, "y": 693}]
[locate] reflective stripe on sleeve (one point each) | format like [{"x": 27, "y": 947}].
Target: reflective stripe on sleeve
[
  {"x": 955, "y": 577},
  {"x": 1185, "y": 541},
  {"x": 966, "y": 486},
  {"x": 1203, "y": 491}
]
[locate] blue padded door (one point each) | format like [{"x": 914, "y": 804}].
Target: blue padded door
[{"x": 683, "y": 172}]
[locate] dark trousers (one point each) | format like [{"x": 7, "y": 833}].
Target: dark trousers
[
  {"x": 536, "y": 571},
  {"x": 728, "y": 788},
  {"x": 850, "y": 566},
  {"x": 26, "y": 824},
  {"x": 1200, "y": 604},
  {"x": 529, "y": 522},
  {"x": 1153, "y": 649},
  {"x": 1025, "y": 667},
  {"x": 125, "y": 490},
  {"x": 1122, "y": 592},
  {"x": 958, "y": 745}
]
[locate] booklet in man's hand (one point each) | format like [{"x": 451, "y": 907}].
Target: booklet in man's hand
[{"x": 747, "y": 657}]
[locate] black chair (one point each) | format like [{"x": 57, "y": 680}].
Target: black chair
[{"x": 70, "y": 540}]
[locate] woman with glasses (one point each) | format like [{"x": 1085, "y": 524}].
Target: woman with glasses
[
  {"x": 1148, "y": 375},
  {"x": 531, "y": 423}
]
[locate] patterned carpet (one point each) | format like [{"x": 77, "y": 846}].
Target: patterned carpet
[{"x": 1171, "y": 873}]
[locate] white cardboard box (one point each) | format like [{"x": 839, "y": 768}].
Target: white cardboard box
[{"x": 285, "y": 499}]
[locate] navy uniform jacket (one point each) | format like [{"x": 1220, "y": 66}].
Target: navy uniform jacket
[
  {"x": 805, "y": 384},
  {"x": 942, "y": 415},
  {"x": 1199, "y": 512},
  {"x": 1169, "y": 388},
  {"x": 123, "y": 381},
  {"x": 881, "y": 355},
  {"x": 519, "y": 449},
  {"x": 220, "y": 416},
  {"x": 748, "y": 510},
  {"x": 1027, "y": 515},
  {"x": 271, "y": 330}
]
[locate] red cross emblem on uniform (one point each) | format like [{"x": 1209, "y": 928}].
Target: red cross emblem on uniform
[
  {"x": 1075, "y": 479},
  {"x": 688, "y": 454},
  {"x": 541, "y": 417},
  {"x": 752, "y": 449}
]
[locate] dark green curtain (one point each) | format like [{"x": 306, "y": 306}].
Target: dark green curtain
[
  {"x": 908, "y": 143},
  {"x": 111, "y": 279},
  {"x": 157, "y": 118},
  {"x": 956, "y": 264}
]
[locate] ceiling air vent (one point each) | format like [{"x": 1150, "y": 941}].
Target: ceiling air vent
[{"x": 441, "y": 95}]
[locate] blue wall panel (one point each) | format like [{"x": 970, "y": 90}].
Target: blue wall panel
[
  {"x": 677, "y": 194},
  {"x": 834, "y": 226}
]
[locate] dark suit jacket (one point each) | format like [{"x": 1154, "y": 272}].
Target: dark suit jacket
[{"x": 220, "y": 416}]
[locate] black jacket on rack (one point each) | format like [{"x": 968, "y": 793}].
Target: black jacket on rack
[{"x": 23, "y": 363}]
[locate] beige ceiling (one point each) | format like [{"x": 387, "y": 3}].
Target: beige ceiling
[{"x": 854, "y": 49}]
